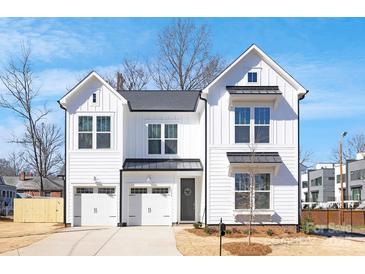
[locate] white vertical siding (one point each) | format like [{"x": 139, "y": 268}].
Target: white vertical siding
[
  {"x": 283, "y": 139},
  {"x": 93, "y": 167}
]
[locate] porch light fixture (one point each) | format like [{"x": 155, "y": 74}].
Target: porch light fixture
[{"x": 148, "y": 179}]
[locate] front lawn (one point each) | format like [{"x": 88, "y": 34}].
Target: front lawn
[{"x": 17, "y": 235}]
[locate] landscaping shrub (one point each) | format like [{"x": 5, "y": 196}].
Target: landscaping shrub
[
  {"x": 228, "y": 231},
  {"x": 236, "y": 231},
  {"x": 270, "y": 232},
  {"x": 247, "y": 231},
  {"x": 308, "y": 226},
  {"x": 198, "y": 225}
]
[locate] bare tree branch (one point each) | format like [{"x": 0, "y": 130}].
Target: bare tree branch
[{"x": 185, "y": 61}]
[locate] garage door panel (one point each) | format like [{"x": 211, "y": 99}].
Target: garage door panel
[
  {"x": 150, "y": 209},
  {"x": 95, "y": 209}
]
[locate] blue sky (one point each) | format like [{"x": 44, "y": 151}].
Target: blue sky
[{"x": 326, "y": 55}]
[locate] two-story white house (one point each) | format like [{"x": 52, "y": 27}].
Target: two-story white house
[{"x": 166, "y": 157}]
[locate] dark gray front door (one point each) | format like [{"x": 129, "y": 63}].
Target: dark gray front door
[{"x": 187, "y": 198}]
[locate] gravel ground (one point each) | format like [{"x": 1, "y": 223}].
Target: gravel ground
[
  {"x": 190, "y": 244},
  {"x": 17, "y": 235}
]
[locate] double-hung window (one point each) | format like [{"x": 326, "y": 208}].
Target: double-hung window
[
  {"x": 262, "y": 125},
  {"x": 162, "y": 139},
  {"x": 154, "y": 139},
  {"x": 94, "y": 132},
  {"x": 261, "y": 197},
  {"x": 85, "y": 132},
  {"x": 170, "y": 139},
  {"x": 242, "y": 124},
  {"x": 103, "y": 132},
  {"x": 252, "y": 77}
]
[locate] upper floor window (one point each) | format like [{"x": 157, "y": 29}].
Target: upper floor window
[
  {"x": 154, "y": 139},
  {"x": 357, "y": 175},
  {"x": 252, "y": 77},
  {"x": 261, "y": 196},
  {"x": 88, "y": 135},
  {"x": 171, "y": 139},
  {"x": 162, "y": 139},
  {"x": 242, "y": 125},
  {"x": 245, "y": 124},
  {"x": 262, "y": 124},
  {"x": 103, "y": 132},
  {"x": 85, "y": 132},
  {"x": 304, "y": 184},
  {"x": 94, "y": 98},
  {"x": 338, "y": 178},
  {"x": 316, "y": 181}
]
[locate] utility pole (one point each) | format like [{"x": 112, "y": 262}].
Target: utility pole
[
  {"x": 341, "y": 174},
  {"x": 341, "y": 178}
]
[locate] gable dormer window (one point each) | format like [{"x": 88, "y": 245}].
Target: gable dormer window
[
  {"x": 94, "y": 98},
  {"x": 252, "y": 77}
]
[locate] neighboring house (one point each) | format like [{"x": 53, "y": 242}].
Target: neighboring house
[
  {"x": 165, "y": 157},
  {"x": 355, "y": 181},
  {"x": 7, "y": 195},
  {"x": 304, "y": 187},
  {"x": 321, "y": 185},
  {"x": 53, "y": 186},
  {"x": 338, "y": 182}
]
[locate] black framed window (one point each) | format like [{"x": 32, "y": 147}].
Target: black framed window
[
  {"x": 242, "y": 124},
  {"x": 154, "y": 139},
  {"x": 262, "y": 125},
  {"x": 252, "y": 77},
  {"x": 85, "y": 132},
  {"x": 261, "y": 197},
  {"x": 103, "y": 132},
  {"x": 170, "y": 139}
]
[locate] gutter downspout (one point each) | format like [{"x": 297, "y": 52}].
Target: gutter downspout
[
  {"x": 120, "y": 224},
  {"x": 64, "y": 178},
  {"x": 299, "y": 172},
  {"x": 205, "y": 159}
]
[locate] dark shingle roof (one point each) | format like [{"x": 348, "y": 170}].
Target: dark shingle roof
[
  {"x": 256, "y": 157},
  {"x": 49, "y": 184},
  {"x": 161, "y": 100},
  {"x": 253, "y": 90},
  {"x": 132, "y": 164}
]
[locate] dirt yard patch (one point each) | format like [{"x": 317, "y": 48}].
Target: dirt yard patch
[
  {"x": 190, "y": 244},
  {"x": 17, "y": 235}
]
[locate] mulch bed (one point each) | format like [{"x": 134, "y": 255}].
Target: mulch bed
[
  {"x": 255, "y": 233},
  {"x": 243, "y": 249}
]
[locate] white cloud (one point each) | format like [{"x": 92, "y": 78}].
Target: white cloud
[
  {"x": 48, "y": 38},
  {"x": 336, "y": 86}
]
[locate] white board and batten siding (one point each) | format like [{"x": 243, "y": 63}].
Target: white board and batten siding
[
  {"x": 189, "y": 133},
  {"x": 93, "y": 167},
  {"x": 283, "y": 139}
]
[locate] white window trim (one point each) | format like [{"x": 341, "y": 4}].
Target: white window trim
[
  {"x": 259, "y": 171},
  {"x": 258, "y": 71},
  {"x": 94, "y": 132},
  {"x": 252, "y": 107},
  {"x": 162, "y": 123},
  {"x": 97, "y": 103}
]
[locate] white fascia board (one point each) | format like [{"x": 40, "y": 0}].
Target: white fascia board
[
  {"x": 301, "y": 90},
  {"x": 63, "y": 100}
]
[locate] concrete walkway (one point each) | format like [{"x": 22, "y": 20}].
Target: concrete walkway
[{"x": 100, "y": 241}]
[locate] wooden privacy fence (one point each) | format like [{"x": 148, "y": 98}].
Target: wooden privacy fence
[
  {"x": 38, "y": 210},
  {"x": 335, "y": 217}
]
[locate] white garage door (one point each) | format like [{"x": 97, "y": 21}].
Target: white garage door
[
  {"x": 95, "y": 209},
  {"x": 150, "y": 206}
]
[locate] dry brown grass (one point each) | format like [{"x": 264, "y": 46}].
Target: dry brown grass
[
  {"x": 190, "y": 244},
  {"x": 243, "y": 249},
  {"x": 17, "y": 235}
]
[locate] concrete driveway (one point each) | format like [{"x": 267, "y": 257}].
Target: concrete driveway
[{"x": 100, "y": 241}]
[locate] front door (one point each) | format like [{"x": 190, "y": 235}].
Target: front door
[{"x": 187, "y": 200}]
